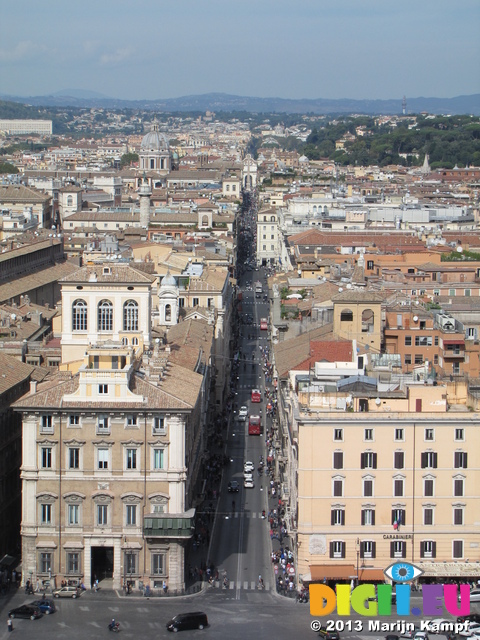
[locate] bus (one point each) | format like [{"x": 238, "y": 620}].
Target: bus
[
  {"x": 254, "y": 426},
  {"x": 263, "y": 324},
  {"x": 256, "y": 395},
  {"x": 258, "y": 289}
]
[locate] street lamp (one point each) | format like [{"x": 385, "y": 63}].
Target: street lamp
[{"x": 357, "y": 547}]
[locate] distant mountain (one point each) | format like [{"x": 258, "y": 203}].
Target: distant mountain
[{"x": 458, "y": 105}]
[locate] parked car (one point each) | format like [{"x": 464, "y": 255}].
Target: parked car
[
  {"x": 194, "y": 620},
  {"x": 421, "y": 635},
  {"x": 472, "y": 629},
  {"x": 471, "y": 617},
  {"x": 46, "y": 606},
  {"x": 433, "y": 625},
  {"x": 67, "y": 592},
  {"x": 475, "y": 595},
  {"x": 233, "y": 486},
  {"x": 410, "y": 633},
  {"x": 328, "y": 635},
  {"x": 25, "y": 611}
]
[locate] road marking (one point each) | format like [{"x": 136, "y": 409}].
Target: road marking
[
  {"x": 232, "y": 585},
  {"x": 83, "y": 608},
  {"x": 245, "y": 585},
  {"x": 253, "y": 585},
  {"x": 143, "y": 609}
]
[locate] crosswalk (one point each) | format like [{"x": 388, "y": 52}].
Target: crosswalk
[
  {"x": 244, "y": 585},
  {"x": 249, "y": 515}
]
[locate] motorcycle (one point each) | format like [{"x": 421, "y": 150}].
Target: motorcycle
[{"x": 114, "y": 626}]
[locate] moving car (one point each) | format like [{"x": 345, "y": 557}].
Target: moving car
[
  {"x": 66, "y": 592},
  {"x": 233, "y": 486},
  {"x": 472, "y": 629},
  {"x": 45, "y": 606},
  {"x": 243, "y": 413},
  {"x": 410, "y": 633},
  {"x": 194, "y": 620},
  {"x": 25, "y": 611},
  {"x": 475, "y": 595},
  {"x": 249, "y": 466},
  {"x": 420, "y": 635},
  {"x": 248, "y": 483}
]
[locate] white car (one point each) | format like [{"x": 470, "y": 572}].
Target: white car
[
  {"x": 248, "y": 483},
  {"x": 247, "y": 475},
  {"x": 249, "y": 466},
  {"x": 472, "y": 630},
  {"x": 475, "y": 595},
  {"x": 434, "y": 625},
  {"x": 243, "y": 413},
  {"x": 420, "y": 635}
]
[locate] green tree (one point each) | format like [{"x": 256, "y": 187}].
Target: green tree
[
  {"x": 8, "y": 167},
  {"x": 128, "y": 159}
]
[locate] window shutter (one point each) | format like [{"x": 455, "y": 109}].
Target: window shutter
[
  {"x": 465, "y": 460},
  {"x": 435, "y": 460},
  {"x": 456, "y": 459},
  {"x": 424, "y": 460},
  {"x": 422, "y": 549},
  {"x": 402, "y": 516},
  {"x": 331, "y": 549},
  {"x": 362, "y": 550},
  {"x": 343, "y": 549},
  {"x": 374, "y": 460},
  {"x": 332, "y": 521},
  {"x": 374, "y": 549},
  {"x": 342, "y": 520},
  {"x": 434, "y": 549},
  {"x": 362, "y": 461},
  {"x": 393, "y": 516},
  {"x": 392, "y": 549},
  {"x": 404, "y": 550},
  {"x": 363, "y": 516},
  {"x": 373, "y": 516}
]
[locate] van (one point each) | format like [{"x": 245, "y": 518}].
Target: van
[{"x": 195, "y": 620}]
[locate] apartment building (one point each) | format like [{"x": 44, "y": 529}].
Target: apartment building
[{"x": 268, "y": 237}]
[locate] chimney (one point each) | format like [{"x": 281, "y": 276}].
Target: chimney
[{"x": 33, "y": 387}]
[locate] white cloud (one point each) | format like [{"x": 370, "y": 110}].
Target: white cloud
[
  {"x": 22, "y": 51},
  {"x": 119, "y": 55}
]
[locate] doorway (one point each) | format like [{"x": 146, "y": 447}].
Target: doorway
[{"x": 102, "y": 563}]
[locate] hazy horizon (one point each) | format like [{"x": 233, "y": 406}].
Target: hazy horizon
[{"x": 311, "y": 49}]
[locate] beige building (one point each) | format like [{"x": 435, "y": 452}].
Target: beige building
[
  {"x": 393, "y": 485},
  {"x": 112, "y": 447}
]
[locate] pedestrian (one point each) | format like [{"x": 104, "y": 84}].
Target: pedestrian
[
  {"x": 9, "y": 625},
  {"x": 165, "y": 587}
]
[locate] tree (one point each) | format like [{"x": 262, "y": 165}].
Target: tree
[
  {"x": 128, "y": 159},
  {"x": 8, "y": 167}
]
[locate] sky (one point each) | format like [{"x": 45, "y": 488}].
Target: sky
[{"x": 154, "y": 49}]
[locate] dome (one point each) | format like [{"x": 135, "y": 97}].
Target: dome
[
  {"x": 169, "y": 281},
  {"x": 154, "y": 141}
]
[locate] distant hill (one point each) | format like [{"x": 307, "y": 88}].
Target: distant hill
[{"x": 459, "y": 105}]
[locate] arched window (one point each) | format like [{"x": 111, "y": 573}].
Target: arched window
[
  {"x": 368, "y": 319},
  {"x": 130, "y": 316},
  {"x": 204, "y": 221},
  {"x": 168, "y": 313},
  {"x": 105, "y": 316},
  {"x": 272, "y": 218},
  {"x": 346, "y": 316},
  {"x": 79, "y": 315},
  {"x": 125, "y": 342},
  {"x": 69, "y": 201}
]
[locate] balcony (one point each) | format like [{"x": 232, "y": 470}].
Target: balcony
[{"x": 168, "y": 525}]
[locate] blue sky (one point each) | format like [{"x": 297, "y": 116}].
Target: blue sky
[{"x": 148, "y": 49}]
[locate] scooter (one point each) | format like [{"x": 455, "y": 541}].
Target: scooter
[{"x": 115, "y": 627}]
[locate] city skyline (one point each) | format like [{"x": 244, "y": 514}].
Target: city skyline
[{"x": 343, "y": 49}]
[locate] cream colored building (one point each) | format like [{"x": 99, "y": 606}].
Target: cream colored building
[
  {"x": 268, "y": 237},
  {"x": 359, "y": 474},
  {"x": 113, "y": 444}
]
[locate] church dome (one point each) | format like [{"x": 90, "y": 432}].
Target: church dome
[{"x": 154, "y": 141}]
